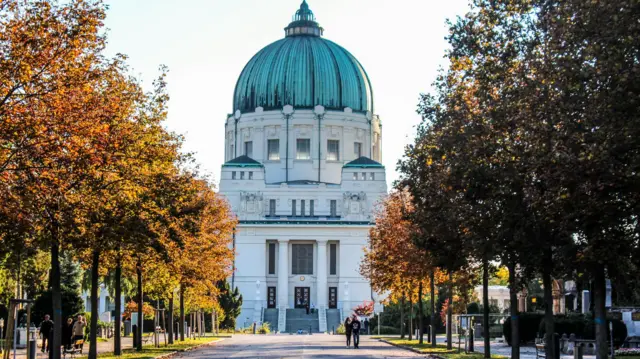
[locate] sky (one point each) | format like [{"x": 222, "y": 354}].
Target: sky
[{"x": 206, "y": 44}]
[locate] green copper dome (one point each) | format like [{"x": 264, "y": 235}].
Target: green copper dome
[{"x": 303, "y": 70}]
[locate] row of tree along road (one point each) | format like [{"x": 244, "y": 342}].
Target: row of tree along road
[
  {"x": 528, "y": 155},
  {"x": 87, "y": 169}
]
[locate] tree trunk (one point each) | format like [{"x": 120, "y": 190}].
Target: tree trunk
[
  {"x": 93, "y": 326},
  {"x": 433, "y": 309},
  {"x": 181, "y": 312},
  {"x": 140, "y": 306},
  {"x": 410, "y": 317},
  {"x": 600, "y": 311},
  {"x": 513, "y": 310},
  {"x": 548, "y": 307},
  {"x": 117, "y": 338},
  {"x": 55, "y": 293},
  {"x": 402, "y": 317},
  {"x": 450, "y": 315},
  {"x": 420, "y": 314},
  {"x": 170, "y": 320},
  {"x": 485, "y": 309}
]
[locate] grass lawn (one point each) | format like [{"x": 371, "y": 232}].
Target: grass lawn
[
  {"x": 440, "y": 349},
  {"x": 150, "y": 352}
]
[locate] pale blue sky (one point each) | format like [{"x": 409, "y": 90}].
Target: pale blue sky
[{"x": 206, "y": 43}]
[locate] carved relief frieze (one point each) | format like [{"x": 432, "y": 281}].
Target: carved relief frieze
[
  {"x": 251, "y": 202},
  {"x": 355, "y": 202}
]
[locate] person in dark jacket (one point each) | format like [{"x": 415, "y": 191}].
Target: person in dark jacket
[
  {"x": 45, "y": 330},
  {"x": 347, "y": 331},
  {"x": 67, "y": 333},
  {"x": 355, "y": 330}
]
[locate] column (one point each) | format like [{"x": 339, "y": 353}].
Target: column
[
  {"x": 283, "y": 273},
  {"x": 321, "y": 283}
]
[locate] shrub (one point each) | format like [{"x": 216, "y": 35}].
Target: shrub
[
  {"x": 584, "y": 327},
  {"x": 265, "y": 328},
  {"x": 386, "y": 330},
  {"x": 473, "y": 308},
  {"x": 528, "y": 324},
  {"x": 626, "y": 352},
  {"x": 566, "y": 324},
  {"x": 341, "y": 329}
]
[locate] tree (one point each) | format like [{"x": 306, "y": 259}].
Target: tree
[
  {"x": 231, "y": 303},
  {"x": 72, "y": 303}
]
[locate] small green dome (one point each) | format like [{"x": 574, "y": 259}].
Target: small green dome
[{"x": 303, "y": 70}]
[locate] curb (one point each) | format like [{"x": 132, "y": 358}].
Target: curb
[
  {"x": 428, "y": 355},
  {"x": 172, "y": 354}
]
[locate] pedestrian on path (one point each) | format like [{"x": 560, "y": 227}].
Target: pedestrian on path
[
  {"x": 67, "y": 333},
  {"x": 355, "y": 328},
  {"x": 45, "y": 330},
  {"x": 78, "y": 329},
  {"x": 347, "y": 331}
]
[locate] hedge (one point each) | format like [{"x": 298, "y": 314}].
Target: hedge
[
  {"x": 584, "y": 327},
  {"x": 385, "y": 330},
  {"x": 528, "y": 324}
]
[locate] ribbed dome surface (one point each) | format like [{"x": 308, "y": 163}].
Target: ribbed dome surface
[{"x": 303, "y": 71}]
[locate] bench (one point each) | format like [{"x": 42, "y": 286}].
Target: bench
[
  {"x": 74, "y": 350},
  {"x": 540, "y": 348},
  {"x": 147, "y": 338}
]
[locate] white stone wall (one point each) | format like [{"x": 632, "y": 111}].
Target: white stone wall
[
  {"x": 345, "y": 126},
  {"x": 355, "y": 190}
]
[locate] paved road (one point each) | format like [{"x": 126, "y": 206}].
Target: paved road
[{"x": 298, "y": 346}]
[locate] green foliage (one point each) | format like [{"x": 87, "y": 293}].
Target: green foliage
[
  {"x": 341, "y": 329},
  {"x": 473, "y": 308},
  {"x": 583, "y": 327},
  {"x": 385, "y": 330},
  {"x": 527, "y": 325},
  {"x": 265, "y": 328},
  {"x": 231, "y": 303},
  {"x": 70, "y": 283}
]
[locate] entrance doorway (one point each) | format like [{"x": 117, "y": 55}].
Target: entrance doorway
[
  {"x": 302, "y": 297},
  {"x": 333, "y": 297},
  {"x": 271, "y": 297}
]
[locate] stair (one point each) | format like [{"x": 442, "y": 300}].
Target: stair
[
  {"x": 282, "y": 319},
  {"x": 333, "y": 319},
  {"x": 297, "y": 319},
  {"x": 322, "y": 319},
  {"x": 271, "y": 317}
]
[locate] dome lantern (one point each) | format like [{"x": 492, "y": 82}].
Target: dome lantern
[{"x": 304, "y": 23}]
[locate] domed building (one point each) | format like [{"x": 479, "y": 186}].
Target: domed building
[{"x": 302, "y": 173}]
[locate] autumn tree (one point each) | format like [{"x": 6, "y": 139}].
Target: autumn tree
[{"x": 392, "y": 262}]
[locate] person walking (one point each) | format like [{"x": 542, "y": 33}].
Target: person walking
[
  {"x": 347, "y": 331},
  {"x": 355, "y": 329},
  {"x": 45, "y": 330},
  {"x": 78, "y": 330},
  {"x": 67, "y": 333}
]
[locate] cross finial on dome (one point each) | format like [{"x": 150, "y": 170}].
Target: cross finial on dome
[{"x": 304, "y": 22}]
